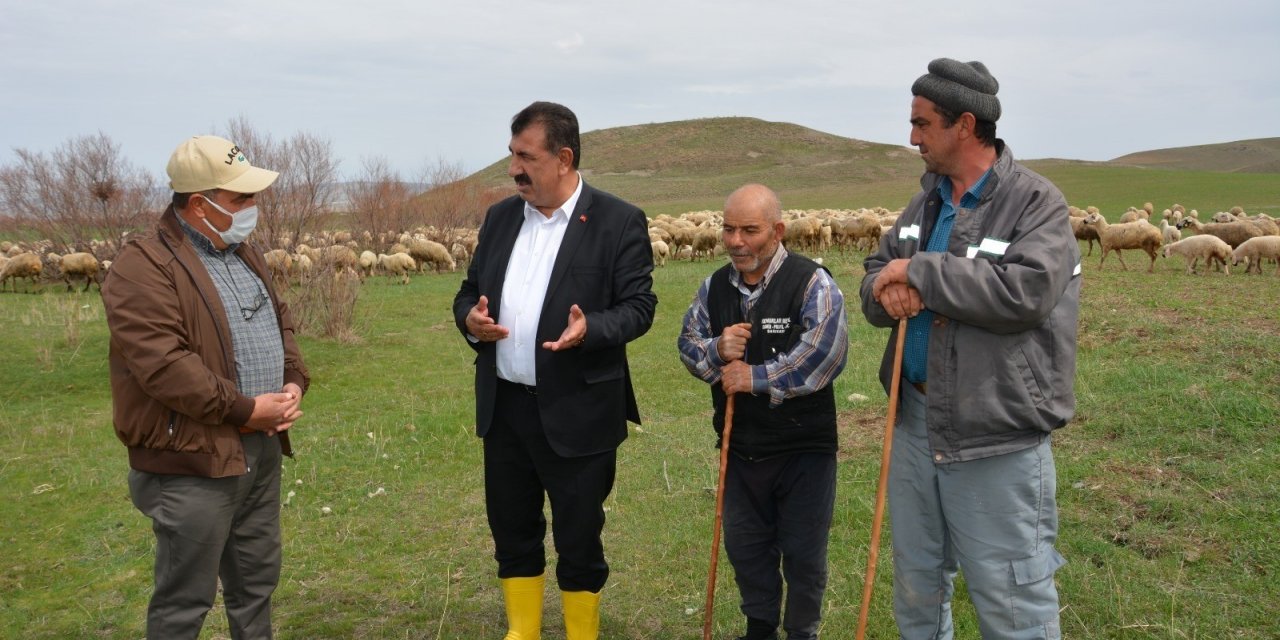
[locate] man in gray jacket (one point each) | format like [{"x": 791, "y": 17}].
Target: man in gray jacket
[{"x": 984, "y": 265}]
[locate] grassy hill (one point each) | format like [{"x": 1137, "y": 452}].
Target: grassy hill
[
  {"x": 1242, "y": 156},
  {"x": 673, "y": 167}
]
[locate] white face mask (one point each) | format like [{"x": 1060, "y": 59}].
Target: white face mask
[{"x": 243, "y": 223}]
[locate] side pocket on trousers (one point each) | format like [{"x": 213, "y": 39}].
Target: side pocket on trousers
[
  {"x": 1037, "y": 567},
  {"x": 1035, "y": 596}
]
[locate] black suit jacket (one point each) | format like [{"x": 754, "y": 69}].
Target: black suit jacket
[{"x": 605, "y": 266}]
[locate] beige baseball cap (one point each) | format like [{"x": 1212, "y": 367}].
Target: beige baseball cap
[{"x": 208, "y": 162}]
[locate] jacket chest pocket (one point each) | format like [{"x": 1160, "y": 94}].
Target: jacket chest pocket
[{"x": 590, "y": 283}]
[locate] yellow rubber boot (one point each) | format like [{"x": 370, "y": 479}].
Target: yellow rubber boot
[
  {"x": 523, "y": 597},
  {"x": 581, "y": 614}
]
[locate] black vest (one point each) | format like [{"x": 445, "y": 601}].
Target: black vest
[{"x": 803, "y": 424}]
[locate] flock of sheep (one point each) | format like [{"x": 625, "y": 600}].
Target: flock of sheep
[
  {"x": 400, "y": 254},
  {"x": 1227, "y": 239},
  {"x": 696, "y": 235},
  {"x": 17, "y": 263},
  {"x": 1230, "y": 237}
]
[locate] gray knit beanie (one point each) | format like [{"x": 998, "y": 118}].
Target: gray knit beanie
[{"x": 960, "y": 87}]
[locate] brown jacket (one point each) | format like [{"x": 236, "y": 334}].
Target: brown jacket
[{"x": 176, "y": 405}]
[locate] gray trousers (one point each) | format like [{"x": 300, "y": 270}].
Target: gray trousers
[
  {"x": 994, "y": 518},
  {"x": 211, "y": 528}
]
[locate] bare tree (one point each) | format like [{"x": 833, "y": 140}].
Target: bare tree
[
  {"x": 82, "y": 191},
  {"x": 451, "y": 199},
  {"x": 379, "y": 200},
  {"x": 302, "y": 196}
]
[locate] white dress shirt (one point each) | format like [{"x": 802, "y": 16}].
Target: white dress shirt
[{"x": 525, "y": 287}]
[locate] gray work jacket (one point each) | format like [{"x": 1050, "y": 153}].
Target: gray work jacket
[{"x": 1005, "y": 297}]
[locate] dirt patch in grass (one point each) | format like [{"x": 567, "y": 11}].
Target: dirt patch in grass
[{"x": 861, "y": 430}]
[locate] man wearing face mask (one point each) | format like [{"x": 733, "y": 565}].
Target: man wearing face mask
[{"x": 206, "y": 379}]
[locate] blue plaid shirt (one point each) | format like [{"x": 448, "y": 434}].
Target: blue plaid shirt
[
  {"x": 255, "y": 331},
  {"x": 915, "y": 354}
]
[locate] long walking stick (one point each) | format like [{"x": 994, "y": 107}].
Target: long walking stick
[
  {"x": 883, "y": 486},
  {"x": 715, "y": 533}
]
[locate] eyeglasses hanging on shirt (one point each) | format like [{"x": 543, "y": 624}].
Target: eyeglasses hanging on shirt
[{"x": 259, "y": 299}]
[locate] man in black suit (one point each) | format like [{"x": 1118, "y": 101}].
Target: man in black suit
[{"x": 560, "y": 283}]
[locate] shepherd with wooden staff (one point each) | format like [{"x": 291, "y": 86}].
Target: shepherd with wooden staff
[
  {"x": 769, "y": 330},
  {"x": 983, "y": 264}
]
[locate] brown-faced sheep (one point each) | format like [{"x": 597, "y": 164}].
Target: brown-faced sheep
[
  {"x": 1211, "y": 248},
  {"x": 1255, "y": 250},
  {"x": 1083, "y": 231},
  {"x": 1133, "y": 235}
]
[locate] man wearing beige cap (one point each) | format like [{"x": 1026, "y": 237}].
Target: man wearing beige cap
[
  {"x": 983, "y": 264},
  {"x": 206, "y": 380}
]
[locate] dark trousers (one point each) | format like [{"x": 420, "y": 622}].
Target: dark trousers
[
  {"x": 778, "y": 511},
  {"x": 519, "y": 469},
  {"x": 211, "y": 528}
]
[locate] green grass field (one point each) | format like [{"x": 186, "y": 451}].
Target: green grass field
[{"x": 1167, "y": 477}]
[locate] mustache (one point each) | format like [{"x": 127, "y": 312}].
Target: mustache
[
  {"x": 741, "y": 254},
  {"x": 523, "y": 179}
]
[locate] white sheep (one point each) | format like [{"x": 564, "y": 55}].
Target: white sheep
[
  {"x": 1133, "y": 235},
  {"x": 300, "y": 265},
  {"x": 1233, "y": 233},
  {"x": 340, "y": 257},
  {"x": 280, "y": 263},
  {"x": 367, "y": 261},
  {"x": 706, "y": 239},
  {"x": 79, "y": 265},
  {"x": 24, "y": 265},
  {"x": 1134, "y": 215},
  {"x": 433, "y": 253},
  {"x": 660, "y": 252},
  {"x": 1211, "y": 248},
  {"x": 1255, "y": 250},
  {"x": 685, "y": 252},
  {"x": 1170, "y": 233},
  {"x": 397, "y": 264},
  {"x": 459, "y": 252}
]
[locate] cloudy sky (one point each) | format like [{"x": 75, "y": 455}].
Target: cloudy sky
[{"x": 420, "y": 81}]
